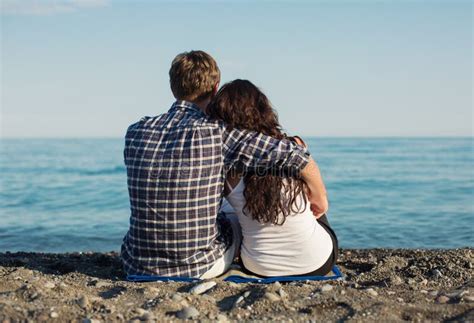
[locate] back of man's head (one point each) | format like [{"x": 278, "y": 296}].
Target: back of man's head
[{"x": 194, "y": 76}]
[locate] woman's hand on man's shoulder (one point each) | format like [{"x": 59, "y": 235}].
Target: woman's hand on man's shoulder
[{"x": 299, "y": 141}]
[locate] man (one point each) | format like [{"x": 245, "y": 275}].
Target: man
[{"x": 176, "y": 166}]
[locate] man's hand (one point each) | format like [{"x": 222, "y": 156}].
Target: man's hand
[{"x": 317, "y": 195}]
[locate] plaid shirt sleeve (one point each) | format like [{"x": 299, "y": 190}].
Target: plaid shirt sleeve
[{"x": 255, "y": 152}]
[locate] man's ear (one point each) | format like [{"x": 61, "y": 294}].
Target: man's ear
[{"x": 215, "y": 89}]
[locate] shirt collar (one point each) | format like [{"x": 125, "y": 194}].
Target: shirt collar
[{"x": 187, "y": 105}]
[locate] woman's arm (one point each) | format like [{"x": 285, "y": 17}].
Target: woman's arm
[{"x": 317, "y": 194}]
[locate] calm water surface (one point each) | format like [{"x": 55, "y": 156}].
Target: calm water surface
[{"x": 71, "y": 195}]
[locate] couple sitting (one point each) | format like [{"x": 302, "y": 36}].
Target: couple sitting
[{"x": 215, "y": 178}]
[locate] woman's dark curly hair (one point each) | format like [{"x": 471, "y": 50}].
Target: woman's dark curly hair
[{"x": 269, "y": 199}]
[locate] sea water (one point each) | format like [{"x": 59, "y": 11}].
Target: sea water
[{"x": 59, "y": 195}]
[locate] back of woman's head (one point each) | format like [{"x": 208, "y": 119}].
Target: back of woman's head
[{"x": 240, "y": 104}]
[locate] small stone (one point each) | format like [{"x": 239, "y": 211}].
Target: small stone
[
  {"x": 246, "y": 294},
  {"x": 468, "y": 298},
  {"x": 442, "y": 299},
  {"x": 49, "y": 285},
  {"x": 88, "y": 320},
  {"x": 152, "y": 290},
  {"x": 176, "y": 297},
  {"x": 277, "y": 285},
  {"x": 82, "y": 301},
  {"x": 202, "y": 288},
  {"x": 343, "y": 292},
  {"x": 35, "y": 296},
  {"x": 221, "y": 318},
  {"x": 396, "y": 280},
  {"x": 400, "y": 300},
  {"x": 54, "y": 315},
  {"x": 212, "y": 316},
  {"x": 189, "y": 312},
  {"x": 140, "y": 311},
  {"x": 326, "y": 288},
  {"x": 272, "y": 297},
  {"x": 209, "y": 298},
  {"x": 424, "y": 291},
  {"x": 371, "y": 292},
  {"x": 390, "y": 292},
  {"x": 147, "y": 316},
  {"x": 238, "y": 301},
  {"x": 282, "y": 293},
  {"x": 436, "y": 274},
  {"x": 424, "y": 282},
  {"x": 433, "y": 293},
  {"x": 411, "y": 281},
  {"x": 101, "y": 284}
]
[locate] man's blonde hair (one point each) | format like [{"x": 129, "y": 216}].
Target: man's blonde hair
[{"x": 193, "y": 76}]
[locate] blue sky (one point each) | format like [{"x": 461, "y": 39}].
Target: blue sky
[{"x": 89, "y": 68}]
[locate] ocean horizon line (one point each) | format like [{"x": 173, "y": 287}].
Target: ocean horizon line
[{"x": 305, "y": 136}]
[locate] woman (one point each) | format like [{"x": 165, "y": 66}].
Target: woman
[{"x": 281, "y": 236}]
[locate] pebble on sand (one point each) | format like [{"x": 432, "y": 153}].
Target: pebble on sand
[
  {"x": 442, "y": 299},
  {"x": 189, "y": 312},
  {"x": 436, "y": 274},
  {"x": 396, "y": 280},
  {"x": 272, "y": 296},
  {"x": 468, "y": 298},
  {"x": 82, "y": 301},
  {"x": 238, "y": 301},
  {"x": 176, "y": 297},
  {"x": 147, "y": 316},
  {"x": 202, "y": 288},
  {"x": 371, "y": 292},
  {"x": 88, "y": 320},
  {"x": 221, "y": 318},
  {"x": 326, "y": 288},
  {"x": 49, "y": 285},
  {"x": 102, "y": 284},
  {"x": 282, "y": 293}
]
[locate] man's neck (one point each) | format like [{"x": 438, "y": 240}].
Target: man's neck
[{"x": 202, "y": 105}]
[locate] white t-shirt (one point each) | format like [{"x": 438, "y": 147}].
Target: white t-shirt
[{"x": 299, "y": 246}]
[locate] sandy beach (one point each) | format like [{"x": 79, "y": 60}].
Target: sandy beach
[{"x": 380, "y": 285}]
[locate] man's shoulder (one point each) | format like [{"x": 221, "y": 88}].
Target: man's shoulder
[{"x": 170, "y": 123}]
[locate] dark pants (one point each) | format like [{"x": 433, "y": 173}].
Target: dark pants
[{"x": 324, "y": 269}]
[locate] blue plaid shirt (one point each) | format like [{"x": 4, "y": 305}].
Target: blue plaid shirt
[{"x": 176, "y": 167}]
